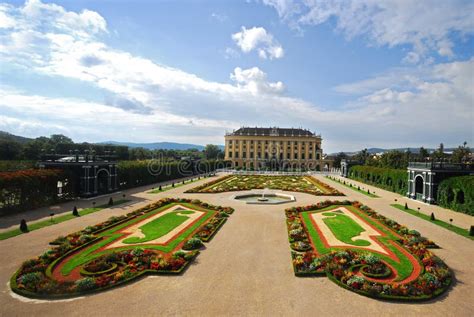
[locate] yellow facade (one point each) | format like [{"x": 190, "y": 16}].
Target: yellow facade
[{"x": 254, "y": 148}]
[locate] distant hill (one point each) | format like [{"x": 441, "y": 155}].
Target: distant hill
[
  {"x": 160, "y": 145},
  {"x": 5, "y": 136},
  {"x": 375, "y": 150}
]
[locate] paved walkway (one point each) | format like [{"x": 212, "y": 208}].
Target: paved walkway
[{"x": 245, "y": 270}]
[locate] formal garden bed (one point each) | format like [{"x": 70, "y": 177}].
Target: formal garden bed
[
  {"x": 160, "y": 238},
  {"x": 364, "y": 252},
  {"x": 304, "y": 184}
]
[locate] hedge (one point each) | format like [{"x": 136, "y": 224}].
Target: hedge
[
  {"x": 138, "y": 173},
  {"x": 457, "y": 193},
  {"x": 33, "y": 188},
  {"x": 394, "y": 180}
]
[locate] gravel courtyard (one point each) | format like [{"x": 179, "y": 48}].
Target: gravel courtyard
[{"x": 246, "y": 269}]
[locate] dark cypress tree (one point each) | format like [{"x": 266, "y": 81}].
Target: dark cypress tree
[
  {"x": 23, "y": 226},
  {"x": 159, "y": 188},
  {"x": 406, "y": 206},
  {"x": 75, "y": 212},
  {"x": 432, "y": 217},
  {"x": 471, "y": 231},
  {"x": 111, "y": 202}
]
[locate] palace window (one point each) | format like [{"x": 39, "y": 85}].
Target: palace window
[
  {"x": 310, "y": 156},
  {"x": 317, "y": 156},
  {"x": 230, "y": 154},
  {"x": 266, "y": 155},
  {"x": 302, "y": 156},
  {"x": 244, "y": 155},
  {"x": 236, "y": 155},
  {"x": 296, "y": 156},
  {"x": 288, "y": 156}
]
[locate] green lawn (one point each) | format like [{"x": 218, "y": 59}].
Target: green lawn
[
  {"x": 344, "y": 228},
  {"x": 353, "y": 188},
  {"x": 58, "y": 219},
  {"x": 461, "y": 231},
  {"x": 403, "y": 266},
  {"x": 112, "y": 234},
  {"x": 161, "y": 226}
]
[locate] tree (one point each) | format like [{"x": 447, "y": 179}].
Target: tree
[
  {"x": 461, "y": 154},
  {"x": 9, "y": 150},
  {"x": 423, "y": 154},
  {"x": 60, "y": 139},
  {"x": 339, "y": 157},
  {"x": 439, "y": 155},
  {"x": 211, "y": 151},
  {"x": 362, "y": 156},
  {"x": 394, "y": 159}
]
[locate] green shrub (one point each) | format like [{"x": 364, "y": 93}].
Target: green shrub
[
  {"x": 23, "y": 226},
  {"x": 85, "y": 284},
  {"x": 394, "y": 180},
  {"x": 457, "y": 193},
  {"x": 192, "y": 244}
]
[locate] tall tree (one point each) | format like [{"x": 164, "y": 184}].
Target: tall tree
[
  {"x": 211, "y": 151},
  {"x": 461, "y": 154}
]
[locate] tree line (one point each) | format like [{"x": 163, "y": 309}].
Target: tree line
[
  {"x": 15, "y": 148},
  {"x": 397, "y": 159}
]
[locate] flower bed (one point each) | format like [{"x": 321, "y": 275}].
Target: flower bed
[
  {"x": 85, "y": 262},
  {"x": 408, "y": 270},
  {"x": 303, "y": 184}
]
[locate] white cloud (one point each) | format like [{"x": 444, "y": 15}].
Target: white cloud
[
  {"x": 147, "y": 101},
  {"x": 426, "y": 25},
  {"x": 257, "y": 38},
  {"x": 255, "y": 81}
]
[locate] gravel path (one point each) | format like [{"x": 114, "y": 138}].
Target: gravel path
[{"x": 245, "y": 270}]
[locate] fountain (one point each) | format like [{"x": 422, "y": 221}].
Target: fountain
[{"x": 263, "y": 198}]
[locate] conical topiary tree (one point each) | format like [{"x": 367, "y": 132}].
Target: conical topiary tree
[
  {"x": 406, "y": 206},
  {"x": 23, "y": 226},
  {"x": 75, "y": 212},
  {"x": 432, "y": 217},
  {"x": 111, "y": 201},
  {"x": 471, "y": 231},
  {"x": 159, "y": 188}
]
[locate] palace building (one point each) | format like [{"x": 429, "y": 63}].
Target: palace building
[{"x": 275, "y": 148}]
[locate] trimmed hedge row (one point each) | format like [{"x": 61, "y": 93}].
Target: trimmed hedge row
[
  {"x": 394, "y": 180},
  {"x": 137, "y": 173},
  {"x": 32, "y": 188},
  {"x": 457, "y": 193}
]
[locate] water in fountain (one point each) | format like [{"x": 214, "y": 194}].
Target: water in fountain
[{"x": 263, "y": 195}]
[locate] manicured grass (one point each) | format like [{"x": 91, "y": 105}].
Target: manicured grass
[
  {"x": 461, "y": 231},
  {"x": 112, "y": 234},
  {"x": 161, "y": 226},
  {"x": 344, "y": 228},
  {"x": 65, "y": 217},
  {"x": 354, "y": 188},
  {"x": 403, "y": 266},
  {"x": 170, "y": 186}
]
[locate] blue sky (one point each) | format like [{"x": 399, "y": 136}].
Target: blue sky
[{"x": 362, "y": 73}]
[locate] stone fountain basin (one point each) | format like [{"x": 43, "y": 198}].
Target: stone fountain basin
[{"x": 270, "y": 198}]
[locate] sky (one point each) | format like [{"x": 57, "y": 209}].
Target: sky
[{"x": 362, "y": 73}]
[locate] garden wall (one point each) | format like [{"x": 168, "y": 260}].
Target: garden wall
[
  {"x": 394, "y": 180},
  {"x": 457, "y": 193}
]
